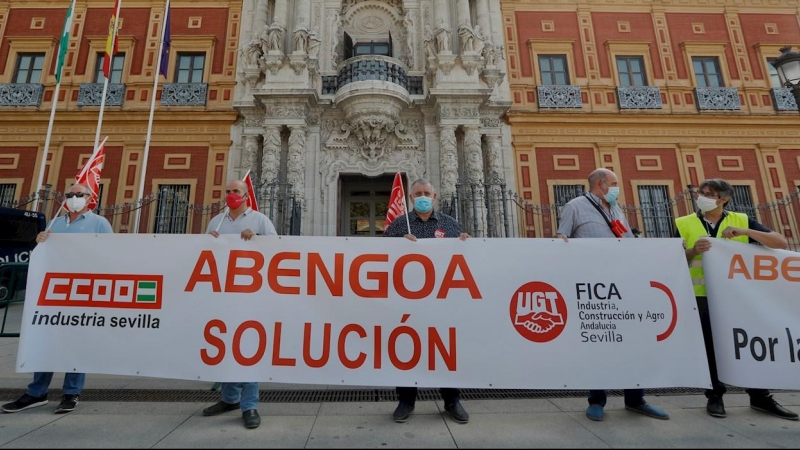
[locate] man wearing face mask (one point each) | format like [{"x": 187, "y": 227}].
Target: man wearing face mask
[
  {"x": 712, "y": 220},
  {"x": 79, "y": 219},
  {"x": 242, "y": 220},
  {"x": 595, "y": 214},
  {"x": 426, "y": 223}
]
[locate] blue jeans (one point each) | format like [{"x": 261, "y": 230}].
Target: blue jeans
[
  {"x": 633, "y": 397},
  {"x": 73, "y": 383},
  {"x": 246, "y": 393}
]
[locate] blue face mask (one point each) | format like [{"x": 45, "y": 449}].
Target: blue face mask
[
  {"x": 423, "y": 204},
  {"x": 612, "y": 194}
]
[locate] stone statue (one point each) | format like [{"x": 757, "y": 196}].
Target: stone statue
[
  {"x": 313, "y": 45},
  {"x": 492, "y": 54},
  {"x": 470, "y": 38},
  {"x": 301, "y": 38},
  {"x": 251, "y": 53},
  {"x": 442, "y": 34},
  {"x": 430, "y": 43},
  {"x": 272, "y": 37}
]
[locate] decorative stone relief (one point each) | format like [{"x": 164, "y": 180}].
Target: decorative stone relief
[
  {"x": 473, "y": 154},
  {"x": 295, "y": 164},
  {"x": 448, "y": 162},
  {"x": 249, "y": 154},
  {"x": 490, "y": 122},
  {"x": 271, "y": 163},
  {"x": 284, "y": 111},
  {"x": 396, "y": 4}
]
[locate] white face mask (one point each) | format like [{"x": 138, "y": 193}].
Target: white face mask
[
  {"x": 76, "y": 204},
  {"x": 706, "y": 204}
]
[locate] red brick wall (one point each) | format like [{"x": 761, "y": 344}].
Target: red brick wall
[
  {"x": 18, "y": 24},
  {"x": 716, "y": 30},
  {"x": 629, "y": 170},
  {"x": 749, "y": 161},
  {"x": 196, "y": 171},
  {"x": 546, "y": 166},
  {"x": 215, "y": 21},
  {"x": 529, "y": 26},
  {"x": 134, "y": 24},
  {"x": 641, "y": 26},
  {"x": 755, "y": 32},
  {"x": 26, "y": 167}
]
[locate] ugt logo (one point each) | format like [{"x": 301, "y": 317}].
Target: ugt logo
[{"x": 538, "y": 312}]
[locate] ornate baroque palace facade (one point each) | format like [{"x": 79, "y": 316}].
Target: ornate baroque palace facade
[
  {"x": 665, "y": 93},
  {"x": 336, "y": 96},
  {"x": 188, "y": 155}
]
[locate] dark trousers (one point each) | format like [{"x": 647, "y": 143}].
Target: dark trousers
[
  {"x": 633, "y": 397},
  {"x": 408, "y": 395},
  {"x": 718, "y": 387}
]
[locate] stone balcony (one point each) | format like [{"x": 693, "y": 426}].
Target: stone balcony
[
  {"x": 91, "y": 94},
  {"x": 21, "y": 94}
]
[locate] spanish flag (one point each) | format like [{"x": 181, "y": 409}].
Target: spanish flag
[{"x": 111, "y": 43}]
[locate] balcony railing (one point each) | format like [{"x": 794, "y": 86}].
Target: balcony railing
[
  {"x": 184, "y": 94},
  {"x": 372, "y": 67},
  {"x": 717, "y": 98},
  {"x": 21, "y": 94},
  {"x": 559, "y": 96},
  {"x": 91, "y": 94},
  {"x": 639, "y": 97},
  {"x": 783, "y": 99}
]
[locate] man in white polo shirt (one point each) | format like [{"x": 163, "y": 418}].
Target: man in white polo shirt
[{"x": 243, "y": 220}]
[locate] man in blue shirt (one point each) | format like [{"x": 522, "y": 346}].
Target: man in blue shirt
[{"x": 79, "y": 219}]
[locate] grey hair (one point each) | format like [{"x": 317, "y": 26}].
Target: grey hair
[
  {"x": 598, "y": 175},
  {"x": 86, "y": 189},
  {"x": 421, "y": 181},
  {"x": 720, "y": 186}
]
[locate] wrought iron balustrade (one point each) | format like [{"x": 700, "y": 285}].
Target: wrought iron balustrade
[
  {"x": 783, "y": 99},
  {"x": 21, "y": 94},
  {"x": 184, "y": 94},
  {"x": 639, "y": 97},
  {"x": 717, "y": 98},
  {"x": 91, "y": 94},
  {"x": 552, "y": 96}
]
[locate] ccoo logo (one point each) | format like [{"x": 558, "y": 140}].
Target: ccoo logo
[{"x": 538, "y": 312}]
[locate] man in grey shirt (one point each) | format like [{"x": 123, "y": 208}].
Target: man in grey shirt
[
  {"x": 596, "y": 214},
  {"x": 240, "y": 219}
]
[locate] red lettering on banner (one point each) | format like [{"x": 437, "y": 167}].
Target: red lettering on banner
[
  {"x": 274, "y": 272},
  {"x": 235, "y": 269},
  {"x": 382, "y": 291},
  {"x": 99, "y": 290},
  {"x": 237, "y": 343},
  {"x": 449, "y": 282},
  {"x": 347, "y": 362},
  {"x": 197, "y": 276},
  {"x": 277, "y": 360},
  {"x": 335, "y": 284},
  {"x": 399, "y": 283},
  {"x": 326, "y": 346},
  {"x": 215, "y": 342},
  {"x": 765, "y": 268}
]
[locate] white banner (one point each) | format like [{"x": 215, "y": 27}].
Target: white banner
[
  {"x": 481, "y": 313},
  {"x": 755, "y": 314}
]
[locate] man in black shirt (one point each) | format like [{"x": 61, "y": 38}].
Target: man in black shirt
[{"x": 424, "y": 222}]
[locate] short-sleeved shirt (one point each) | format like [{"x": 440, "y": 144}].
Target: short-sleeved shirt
[
  {"x": 87, "y": 222},
  {"x": 257, "y": 222},
  {"x": 713, "y": 228},
  {"x": 438, "y": 225},
  {"x": 581, "y": 219}
]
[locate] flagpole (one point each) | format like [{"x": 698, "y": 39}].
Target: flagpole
[
  {"x": 67, "y": 27},
  {"x": 110, "y": 62},
  {"x": 150, "y": 120},
  {"x": 405, "y": 205}
]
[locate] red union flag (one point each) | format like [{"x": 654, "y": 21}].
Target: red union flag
[
  {"x": 252, "y": 200},
  {"x": 397, "y": 201},
  {"x": 90, "y": 174}
]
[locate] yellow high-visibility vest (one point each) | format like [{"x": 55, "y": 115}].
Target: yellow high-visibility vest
[{"x": 691, "y": 229}]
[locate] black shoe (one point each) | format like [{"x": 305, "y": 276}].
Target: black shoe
[
  {"x": 251, "y": 418},
  {"x": 768, "y": 405},
  {"x": 25, "y": 402},
  {"x": 219, "y": 408},
  {"x": 457, "y": 412},
  {"x": 68, "y": 403},
  {"x": 715, "y": 407},
  {"x": 402, "y": 412}
]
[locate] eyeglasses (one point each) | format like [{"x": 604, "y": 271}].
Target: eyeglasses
[{"x": 74, "y": 194}]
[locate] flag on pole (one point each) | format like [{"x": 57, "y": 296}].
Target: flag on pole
[
  {"x": 165, "y": 49},
  {"x": 112, "y": 44},
  {"x": 64, "y": 44},
  {"x": 90, "y": 174},
  {"x": 397, "y": 200},
  {"x": 252, "y": 200}
]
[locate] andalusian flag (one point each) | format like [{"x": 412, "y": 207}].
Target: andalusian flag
[
  {"x": 112, "y": 43},
  {"x": 64, "y": 44}
]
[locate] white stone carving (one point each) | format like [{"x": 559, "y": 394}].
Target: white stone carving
[
  {"x": 295, "y": 163},
  {"x": 271, "y": 163},
  {"x": 448, "y": 162}
]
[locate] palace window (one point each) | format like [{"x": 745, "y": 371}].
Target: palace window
[
  {"x": 742, "y": 201},
  {"x": 29, "y": 68},
  {"x": 172, "y": 211},
  {"x": 707, "y": 72},
  {"x": 553, "y": 69},
  {"x": 7, "y": 194},
  {"x": 631, "y": 71},
  {"x": 190, "y": 67},
  {"x": 117, "y": 63},
  {"x": 563, "y": 193},
  {"x": 656, "y": 210}
]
